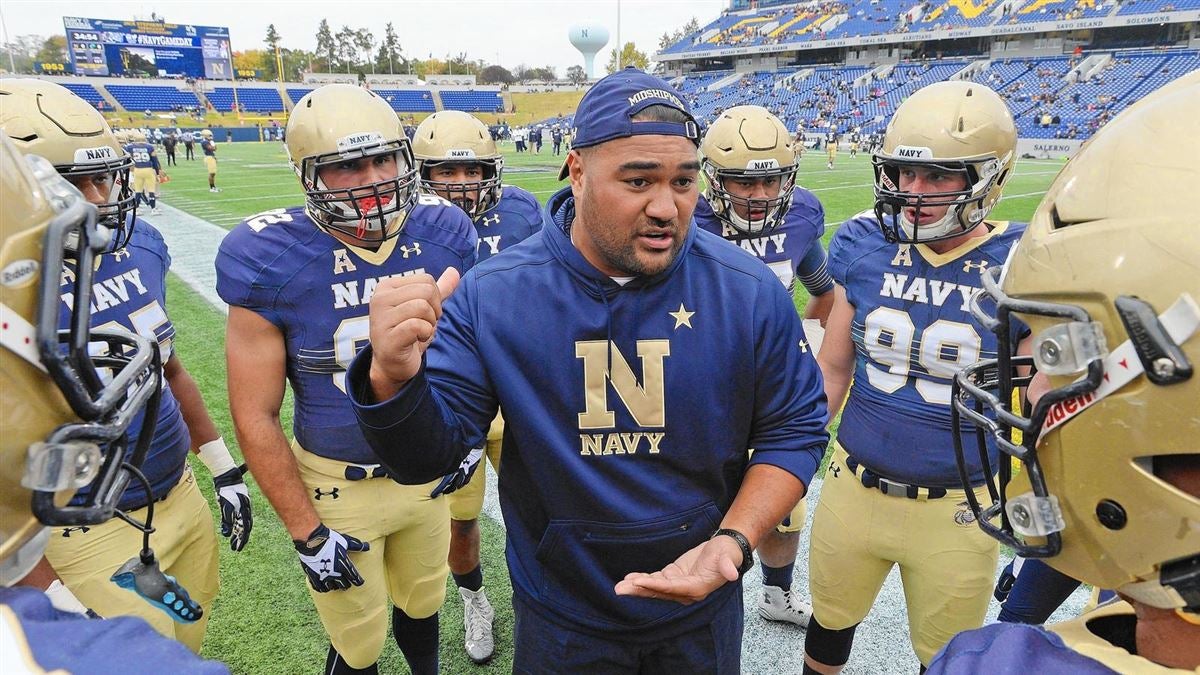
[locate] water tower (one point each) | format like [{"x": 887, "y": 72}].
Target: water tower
[{"x": 588, "y": 40}]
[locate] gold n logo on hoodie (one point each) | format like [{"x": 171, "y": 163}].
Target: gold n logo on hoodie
[{"x": 646, "y": 402}]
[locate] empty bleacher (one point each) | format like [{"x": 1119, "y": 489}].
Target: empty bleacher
[
  {"x": 408, "y": 100},
  {"x": 472, "y": 101},
  {"x": 252, "y": 99},
  {"x": 151, "y": 97},
  {"x": 86, "y": 92}
]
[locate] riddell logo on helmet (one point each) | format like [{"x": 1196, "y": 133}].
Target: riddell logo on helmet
[
  {"x": 1064, "y": 410},
  {"x": 910, "y": 152}
]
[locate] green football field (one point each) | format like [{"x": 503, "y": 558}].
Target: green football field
[{"x": 263, "y": 620}]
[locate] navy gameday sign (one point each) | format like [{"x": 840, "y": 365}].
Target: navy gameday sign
[{"x": 147, "y": 48}]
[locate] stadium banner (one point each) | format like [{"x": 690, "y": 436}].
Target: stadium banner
[
  {"x": 451, "y": 80},
  {"x": 1048, "y": 148},
  {"x": 147, "y": 49},
  {"x": 47, "y": 68},
  {"x": 924, "y": 36}
]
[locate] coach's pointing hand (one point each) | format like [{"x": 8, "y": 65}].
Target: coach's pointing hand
[{"x": 404, "y": 316}]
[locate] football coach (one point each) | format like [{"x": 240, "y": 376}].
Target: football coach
[{"x": 636, "y": 359}]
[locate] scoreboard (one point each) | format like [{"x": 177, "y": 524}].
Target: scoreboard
[{"x": 148, "y": 49}]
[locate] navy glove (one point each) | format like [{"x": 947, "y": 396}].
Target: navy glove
[
  {"x": 325, "y": 559},
  {"x": 234, "y": 500},
  {"x": 460, "y": 476}
]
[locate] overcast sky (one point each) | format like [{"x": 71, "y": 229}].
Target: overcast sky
[{"x": 512, "y": 32}]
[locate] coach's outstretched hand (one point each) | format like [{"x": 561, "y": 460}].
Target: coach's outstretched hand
[
  {"x": 404, "y": 315},
  {"x": 691, "y": 577}
]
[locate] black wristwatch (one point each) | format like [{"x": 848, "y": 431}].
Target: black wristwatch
[{"x": 743, "y": 543}]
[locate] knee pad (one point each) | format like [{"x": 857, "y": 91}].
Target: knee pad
[{"x": 830, "y": 647}]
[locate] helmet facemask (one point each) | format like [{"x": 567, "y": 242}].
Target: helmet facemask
[
  {"x": 372, "y": 212},
  {"x": 118, "y": 213},
  {"x": 475, "y": 198},
  {"x": 762, "y": 215},
  {"x": 966, "y": 208},
  {"x": 1072, "y": 345}
]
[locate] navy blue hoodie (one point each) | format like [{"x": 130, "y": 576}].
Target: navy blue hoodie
[{"x": 613, "y": 461}]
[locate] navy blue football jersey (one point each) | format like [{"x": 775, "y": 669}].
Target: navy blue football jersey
[
  {"x": 143, "y": 155},
  {"x": 912, "y": 332},
  {"x": 783, "y": 248},
  {"x": 209, "y": 147},
  {"x": 317, "y": 291},
  {"x": 1098, "y": 643},
  {"x": 129, "y": 291},
  {"x": 517, "y": 216}
]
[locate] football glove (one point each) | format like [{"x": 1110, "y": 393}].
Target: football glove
[
  {"x": 236, "y": 517},
  {"x": 325, "y": 559},
  {"x": 460, "y": 476},
  {"x": 232, "y": 495}
]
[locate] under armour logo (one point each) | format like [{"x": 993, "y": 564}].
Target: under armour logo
[
  {"x": 333, "y": 493},
  {"x": 68, "y": 530},
  {"x": 835, "y": 469},
  {"x": 326, "y": 565},
  {"x": 122, "y": 254},
  {"x": 804, "y": 346},
  {"x": 415, "y": 249},
  {"x": 488, "y": 221},
  {"x": 968, "y": 265}
]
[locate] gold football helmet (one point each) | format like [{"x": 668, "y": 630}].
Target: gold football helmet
[
  {"x": 47, "y": 120},
  {"x": 206, "y": 134},
  {"x": 63, "y": 427},
  {"x": 749, "y": 144},
  {"x": 957, "y": 127},
  {"x": 341, "y": 123},
  {"x": 454, "y": 137},
  {"x": 1107, "y": 278}
]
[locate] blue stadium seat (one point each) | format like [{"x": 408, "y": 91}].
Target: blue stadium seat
[
  {"x": 472, "y": 101},
  {"x": 253, "y": 99},
  {"x": 151, "y": 97},
  {"x": 86, "y": 92}
]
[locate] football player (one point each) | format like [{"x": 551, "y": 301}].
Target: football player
[
  {"x": 458, "y": 161},
  {"x": 1108, "y": 279},
  {"x": 752, "y": 200},
  {"x": 298, "y": 282},
  {"x": 209, "y": 147},
  {"x": 831, "y": 147},
  {"x": 854, "y": 144},
  {"x": 64, "y": 427},
  {"x": 147, "y": 172},
  {"x": 901, "y": 326},
  {"x": 129, "y": 292}
]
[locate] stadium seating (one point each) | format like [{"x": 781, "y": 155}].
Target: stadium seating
[
  {"x": 253, "y": 99},
  {"x": 86, "y": 92},
  {"x": 472, "y": 101},
  {"x": 297, "y": 93},
  {"x": 776, "y": 23},
  {"x": 1033, "y": 88},
  {"x": 406, "y": 100},
  {"x": 151, "y": 97}
]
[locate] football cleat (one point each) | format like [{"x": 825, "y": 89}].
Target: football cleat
[
  {"x": 477, "y": 622},
  {"x": 777, "y": 604}
]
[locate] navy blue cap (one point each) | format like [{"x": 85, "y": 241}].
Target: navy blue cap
[{"x": 606, "y": 111}]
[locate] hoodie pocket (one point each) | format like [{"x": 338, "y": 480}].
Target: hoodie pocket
[{"x": 582, "y": 560}]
